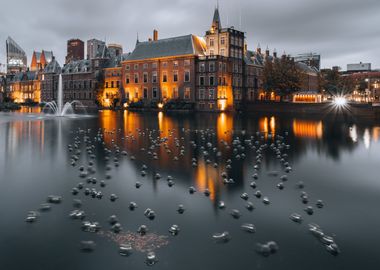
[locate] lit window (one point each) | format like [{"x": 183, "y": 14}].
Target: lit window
[{"x": 187, "y": 93}]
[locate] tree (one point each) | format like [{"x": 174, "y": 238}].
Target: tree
[
  {"x": 335, "y": 84},
  {"x": 282, "y": 76}
]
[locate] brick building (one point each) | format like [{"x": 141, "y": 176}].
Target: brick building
[
  {"x": 75, "y": 50},
  {"x": 49, "y": 81},
  {"x": 24, "y": 87}
]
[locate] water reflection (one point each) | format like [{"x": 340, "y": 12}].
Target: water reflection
[{"x": 308, "y": 129}]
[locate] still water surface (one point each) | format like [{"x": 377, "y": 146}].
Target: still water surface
[{"x": 339, "y": 162}]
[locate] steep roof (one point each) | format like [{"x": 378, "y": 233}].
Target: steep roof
[
  {"x": 25, "y": 76},
  {"x": 216, "y": 19},
  {"x": 52, "y": 67},
  {"x": 48, "y": 56},
  {"x": 183, "y": 45},
  {"x": 77, "y": 66}
]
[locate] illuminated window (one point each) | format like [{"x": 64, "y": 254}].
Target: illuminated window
[
  {"x": 187, "y": 93},
  {"x": 175, "y": 92},
  {"x": 187, "y": 75}
]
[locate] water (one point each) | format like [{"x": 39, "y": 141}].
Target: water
[{"x": 337, "y": 160}]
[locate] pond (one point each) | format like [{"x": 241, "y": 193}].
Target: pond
[{"x": 333, "y": 160}]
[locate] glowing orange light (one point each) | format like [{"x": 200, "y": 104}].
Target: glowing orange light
[{"x": 160, "y": 105}]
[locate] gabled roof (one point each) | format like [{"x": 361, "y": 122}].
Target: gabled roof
[
  {"x": 25, "y": 76},
  {"x": 183, "y": 45},
  {"x": 52, "y": 67},
  {"x": 48, "y": 56},
  {"x": 38, "y": 56},
  {"x": 254, "y": 58}
]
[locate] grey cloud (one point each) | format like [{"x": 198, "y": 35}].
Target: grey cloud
[{"x": 343, "y": 31}]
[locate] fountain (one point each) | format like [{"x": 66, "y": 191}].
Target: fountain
[{"x": 58, "y": 108}]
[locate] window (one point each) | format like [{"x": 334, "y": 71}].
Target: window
[
  {"x": 222, "y": 40},
  {"x": 202, "y": 67},
  {"x": 154, "y": 77},
  {"x": 117, "y": 84},
  {"x": 164, "y": 77},
  {"x": 212, "y": 80},
  {"x": 224, "y": 67},
  {"x": 106, "y": 84},
  {"x": 112, "y": 84},
  {"x": 145, "y": 93},
  {"x": 211, "y": 52},
  {"x": 211, "y": 67},
  {"x": 211, "y": 93},
  {"x": 175, "y": 76},
  {"x": 164, "y": 64},
  {"x": 187, "y": 62},
  {"x": 145, "y": 66},
  {"x": 127, "y": 79},
  {"x": 154, "y": 92},
  {"x": 222, "y": 52},
  {"x": 201, "y": 80},
  {"x": 211, "y": 42},
  {"x": 186, "y": 94},
  {"x": 201, "y": 94},
  {"x": 175, "y": 92},
  {"x": 145, "y": 77},
  {"x": 136, "y": 78},
  {"x": 175, "y": 63},
  {"x": 136, "y": 93},
  {"x": 136, "y": 66},
  {"x": 187, "y": 75},
  {"x": 154, "y": 65},
  {"x": 127, "y": 94},
  {"x": 164, "y": 92}
]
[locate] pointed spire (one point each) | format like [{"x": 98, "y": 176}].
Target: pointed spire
[
  {"x": 137, "y": 39},
  {"x": 216, "y": 23}
]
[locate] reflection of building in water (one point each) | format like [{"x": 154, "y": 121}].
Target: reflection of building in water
[
  {"x": 367, "y": 138},
  {"x": 224, "y": 127},
  {"x": 353, "y": 133},
  {"x": 376, "y": 134},
  {"x": 267, "y": 125},
  {"x": 308, "y": 129},
  {"x": 206, "y": 177}
]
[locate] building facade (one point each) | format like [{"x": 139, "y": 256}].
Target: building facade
[
  {"x": 49, "y": 81},
  {"x": 94, "y": 46},
  {"x": 40, "y": 60},
  {"x": 16, "y": 57},
  {"x": 24, "y": 87},
  {"x": 75, "y": 50}
]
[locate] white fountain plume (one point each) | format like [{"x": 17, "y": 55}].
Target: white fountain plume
[{"x": 57, "y": 107}]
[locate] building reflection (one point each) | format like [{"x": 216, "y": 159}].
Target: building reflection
[
  {"x": 308, "y": 129},
  {"x": 267, "y": 125},
  {"x": 224, "y": 127}
]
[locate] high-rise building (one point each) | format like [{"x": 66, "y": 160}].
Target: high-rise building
[
  {"x": 16, "y": 57},
  {"x": 115, "y": 50},
  {"x": 95, "y": 48},
  {"x": 75, "y": 50}
]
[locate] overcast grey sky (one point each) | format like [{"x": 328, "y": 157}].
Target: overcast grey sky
[{"x": 342, "y": 31}]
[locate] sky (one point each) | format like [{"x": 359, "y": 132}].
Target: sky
[{"x": 342, "y": 31}]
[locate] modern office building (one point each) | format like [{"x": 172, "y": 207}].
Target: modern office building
[{"x": 16, "y": 57}]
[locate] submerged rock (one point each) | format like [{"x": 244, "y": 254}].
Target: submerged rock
[{"x": 223, "y": 237}]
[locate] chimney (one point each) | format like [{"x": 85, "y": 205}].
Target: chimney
[{"x": 155, "y": 35}]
